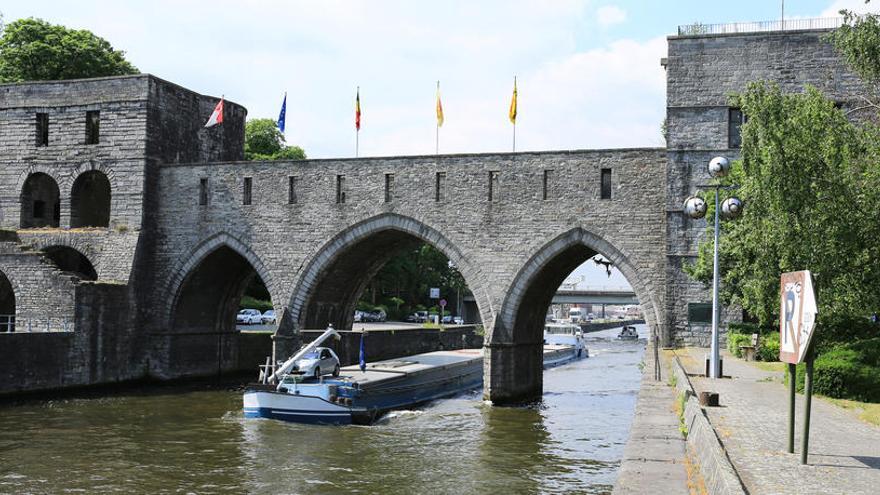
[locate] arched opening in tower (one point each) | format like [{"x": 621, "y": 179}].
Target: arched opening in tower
[
  {"x": 40, "y": 203},
  {"x": 90, "y": 200},
  {"x": 69, "y": 260},
  {"x": 7, "y": 305}
]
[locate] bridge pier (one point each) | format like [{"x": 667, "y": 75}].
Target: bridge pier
[{"x": 513, "y": 372}]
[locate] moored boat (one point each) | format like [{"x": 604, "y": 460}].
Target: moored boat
[{"x": 628, "y": 333}]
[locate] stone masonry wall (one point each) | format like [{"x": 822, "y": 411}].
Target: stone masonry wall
[{"x": 702, "y": 72}]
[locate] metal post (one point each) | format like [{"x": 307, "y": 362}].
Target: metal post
[
  {"x": 808, "y": 395},
  {"x": 714, "y": 364},
  {"x": 792, "y": 385}
]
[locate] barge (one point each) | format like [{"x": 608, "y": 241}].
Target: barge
[{"x": 362, "y": 393}]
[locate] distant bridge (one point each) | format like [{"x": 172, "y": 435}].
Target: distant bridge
[{"x": 596, "y": 296}]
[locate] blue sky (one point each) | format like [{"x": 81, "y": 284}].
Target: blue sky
[{"x": 589, "y": 73}]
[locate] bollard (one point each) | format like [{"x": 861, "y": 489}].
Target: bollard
[{"x": 709, "y": 399}]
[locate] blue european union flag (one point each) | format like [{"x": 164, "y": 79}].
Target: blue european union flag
[
  {"x": 363, "y": 355},
  {"x": 283, "y": 114}
]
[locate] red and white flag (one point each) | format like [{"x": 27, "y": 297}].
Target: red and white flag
[{"x": 216, "y": 116}]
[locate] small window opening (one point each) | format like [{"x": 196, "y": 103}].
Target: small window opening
[
  {"x": 493, "y": 186},
  {"x": 606, "y": 183},
  {"x": 734, "y": 128},
  {"x": 389, "y": 185},
  {"x": 340, "y": 189},
  {"x": 291, "y": 190},
  {"x": 93, "y": 123},
  {"x": 42, "y": 129},
  {"x": 203, "y": 191},
  {"x": 545, "y": 189},
  {"x": 247, "y": 186},
  {"x": 440, "y": 187}
]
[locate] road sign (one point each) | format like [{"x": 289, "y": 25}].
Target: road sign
[
  {"x": 435, "y": 293},
  {"x": 442, "y": 302},
  {"x": 797, "y": 318}
]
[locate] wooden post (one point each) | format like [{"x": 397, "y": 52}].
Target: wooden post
[
  {"x": 808, "y": 395},
  {"x": 792, "y": 386}
]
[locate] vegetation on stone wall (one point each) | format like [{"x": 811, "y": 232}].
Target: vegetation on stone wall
[
  {"x": 35, "y": 50},
  {"x": 810, "y": 179},
  {"x": 264, "y": 141}
]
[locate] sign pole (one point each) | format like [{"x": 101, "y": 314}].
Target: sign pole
[
  {"x": 792, "y": 386},
  {"x": 808, "y": 395}
]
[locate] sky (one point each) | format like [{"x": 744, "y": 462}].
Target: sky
[{"x": 588, "y": 71}]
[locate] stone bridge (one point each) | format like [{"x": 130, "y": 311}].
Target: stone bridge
[{"x": 129, "y": 231}]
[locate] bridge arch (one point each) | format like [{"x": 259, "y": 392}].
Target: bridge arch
[
  {"x": 328, "y": 289},
  {"x": 206, "y": 287},
  {"x": 515, "y": 340}
]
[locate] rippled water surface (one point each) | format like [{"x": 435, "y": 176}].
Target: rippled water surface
[{"x": 173, "y": 441}]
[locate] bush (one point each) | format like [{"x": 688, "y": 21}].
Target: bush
[
  {"x": 248, "y": 302},
  {"x": 735, "y": 340},
  {"x": 847, "y": 371},
  {"x": 768, "y": 349}
]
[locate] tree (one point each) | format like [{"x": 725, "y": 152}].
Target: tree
[
  {"x": 810, "y": 180},
  {"x": 264, "y": 141},
  {"x": 35, "y": 50}
]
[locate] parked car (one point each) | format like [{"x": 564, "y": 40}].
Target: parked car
[
  {"x": 378, "y": 316},
  {"x": 320, "y": 361},
  {"x": 248, "y": 317},
  {"x": 458, "y": 320},
  {"x": 418, "y": 317},
  {"x": 268, "y": 317},
  {"x": 358, "y": 316}
]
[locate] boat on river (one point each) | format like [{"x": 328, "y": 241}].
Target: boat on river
[
  {"x": 563, "y": 343},
  {"x": 628, "y": 333},
  {"x": 361, "y": 395}
]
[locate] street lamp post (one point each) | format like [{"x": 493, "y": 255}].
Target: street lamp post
[{"x": 695, "y": 207}]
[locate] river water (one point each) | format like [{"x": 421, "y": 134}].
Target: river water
[{"x": 170, "y": 440}]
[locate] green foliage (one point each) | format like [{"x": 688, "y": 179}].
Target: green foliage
[
  {"x": 264, "y": 141},
  {"x": 403, "y": 283},
  {"x": 249, "y": 302},
  {"x": 768, "y": 349},
  {"x": 847, "y": 371},
  {"x": 735, "y": 340},
  {"x": 858, "y": 41},
  {"x": 810, "y": 180},
  {"x": 35, "y": 50}
]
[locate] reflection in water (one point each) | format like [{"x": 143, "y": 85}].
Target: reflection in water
[{"x": 199, "y": 442}]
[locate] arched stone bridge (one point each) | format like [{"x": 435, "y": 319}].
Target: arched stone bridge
[{"x": 316, "y": 231}]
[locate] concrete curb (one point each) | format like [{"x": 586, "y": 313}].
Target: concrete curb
[{"x": 715, "y": 466}]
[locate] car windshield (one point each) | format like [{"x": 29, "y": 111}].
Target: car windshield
[
  {"x": 311, "y": 355},
  {"x": 242, "y": 312}
]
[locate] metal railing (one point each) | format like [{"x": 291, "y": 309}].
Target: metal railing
[
  {"x": 697, "y": 29},
  {"x": 9, "y": 324}
]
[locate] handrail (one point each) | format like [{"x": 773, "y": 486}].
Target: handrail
[{"x": 699, "y": 29}]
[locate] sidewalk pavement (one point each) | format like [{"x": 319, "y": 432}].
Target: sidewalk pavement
[
  {"x": 752, "y": 423},
  {"x": 654, "y": 457}
]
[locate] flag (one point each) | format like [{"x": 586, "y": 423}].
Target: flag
[
  {"x": 357, "y": 114},
  {"x": 439, "y": 107},
  {"x": 512, "y": 114},
  {"x": 362, "y": 358},
  {"x": 216, "y": 116},
  {"x": 283, "y": 113}
]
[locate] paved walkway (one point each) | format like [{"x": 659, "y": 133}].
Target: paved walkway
[
  {"x": 653, "y": 461},
  {"x": 752, "y": 423}
]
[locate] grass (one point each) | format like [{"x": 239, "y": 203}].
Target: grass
[
  {"x": 696, "y": 483},
  {"x": 769, "y": 366},
  {"x": 680, "y": 403},
  {"x": 867, "y": 411}
]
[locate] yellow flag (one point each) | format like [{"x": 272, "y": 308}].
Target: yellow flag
[
  {"x": 512, "y": 114},
  {"x": 439, "y": 107}
]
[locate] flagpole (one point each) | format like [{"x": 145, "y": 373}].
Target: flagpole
[
  {"x": 514, "y": 137},
  {"x": 357, "y": 135}
]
